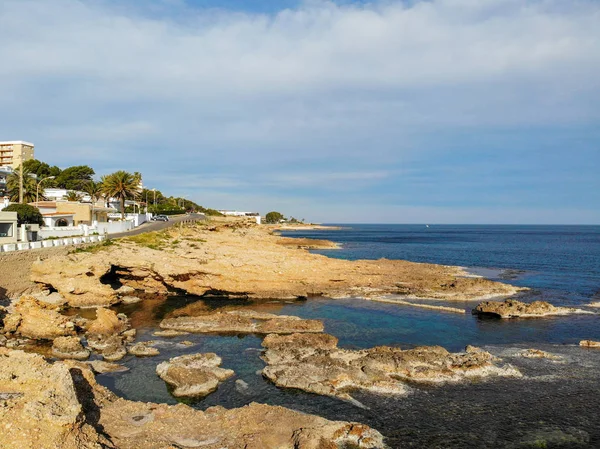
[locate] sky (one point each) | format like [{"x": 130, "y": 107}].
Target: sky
[{"x": 438, "y": 111}]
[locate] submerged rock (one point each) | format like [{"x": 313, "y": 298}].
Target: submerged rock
[
  {"x": 515, "y": 309},
  {"x": 239, "y": 321},
  {"x": 193, "y": 375},
  {"x": 169, "y": 333},
  {"x": 69, "y": 348},
  {"x": 143, "y": 349},
  {"x": 314, "y": 363},
  {"x": 60, "y": 405},
  {"x": 538, "y": 354},
  {"x": 101, "y": 367}
]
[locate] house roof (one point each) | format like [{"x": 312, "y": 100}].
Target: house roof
[{"x": 59, "y": 214}]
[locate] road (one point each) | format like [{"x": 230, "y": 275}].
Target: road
[{"x": 150, "y": 226}]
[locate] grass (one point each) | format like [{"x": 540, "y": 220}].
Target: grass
[
  {"x": 152, "y": 240},
  {"x": 94, "y": 248}
]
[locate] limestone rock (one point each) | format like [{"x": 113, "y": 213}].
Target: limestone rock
[
  {"x": 589, "y": 344},
  {"x": 60, "y": 405},
  {"x": 34, "y": 319},
  {"x": 101, "y": 367},
  {"x": 538, "y": 354},
  {"x": 242, "y": 322},
  {"x": 143, "y": 349},
  {"x": 169, "y": 333},
  {"x": 515, "y": 309},
  {"x": 107, "y": 323},
  {"x": 314, "y": 363},
  {"x": 193, "y": 375},
  {"x": 69, "y": 348}
]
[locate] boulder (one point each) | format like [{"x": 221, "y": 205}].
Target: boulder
[
  {"x": 538, "y": 354},
  {"x": 193, "y": 375},
  {"x": 315, "y": 364},
  {"x": 239, "y": 321},
  {"x": 511, "y": 308},
  {"x": 60, "y": 405},
  {"x": 101, "y": 367},
  {"x": 107, "y": 323},
  {"x": 69, "y": 348}
]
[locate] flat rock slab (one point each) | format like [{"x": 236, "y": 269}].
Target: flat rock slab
[
  {"x": 69, "y": 348},
  {"x": 314, "y": 363},
  {"x": 517, "y": 309},
  {"x": 247, "y": 322},
  {"x": 193, "y": 375}
]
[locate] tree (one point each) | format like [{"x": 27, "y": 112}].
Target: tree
[
  {"x": 94, "y": 190},
  {"x": 41, "y": 169},
  {"x": 26, "y": 214},
  {"x": 274, "y": 217},
  {"x": 74, "y": 178},
  {"x": 72, "y": 195},
  {"x": 121, "y": 185},
  {"x": 29, "y": 186}
]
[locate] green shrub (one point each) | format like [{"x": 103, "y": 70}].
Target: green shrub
[{"x": 26, "y": 214}]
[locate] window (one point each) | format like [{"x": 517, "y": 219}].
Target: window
[
  {"x": 62, "y": 222},
  {"x": 6, "y": 230}
]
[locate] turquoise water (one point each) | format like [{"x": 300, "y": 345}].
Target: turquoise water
[{"x": 556, "y": 404}]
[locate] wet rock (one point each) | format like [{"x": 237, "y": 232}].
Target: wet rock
[
  {"x": 554, "y": 437},
  {"x": 242, "y": 386},
  {"x": 129, "y": 335},
  {"x": 101, "y": 367},
  {"x": 538, "y": 354},
  {"x": 107, "y": 323},
  {"x": 34, "y": 319},
  {"x": 130, "y": 299},
  {"x": 242, "y": 322},
  {"x": 69, "y": 348},
  {"x": 193, "y": 375},
  {"x": 143, "y": 349},
  {"x": 589, "y": 344},
  {"x": 186, "y": 343},
  {"x": 111, "y": 347},
  {"x": 314, "y": 363},
  {"x": 515, "y": 309},
  {"x": 169, "y": 333},
  {"x": 60, "y": 405}
]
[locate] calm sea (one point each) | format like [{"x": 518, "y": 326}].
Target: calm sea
[{"x": 556, "y": 404}]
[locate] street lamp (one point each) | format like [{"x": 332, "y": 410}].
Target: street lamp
[{"x": 37, "y": 189}]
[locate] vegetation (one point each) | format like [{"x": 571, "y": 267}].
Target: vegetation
[
  {"x": 29, "y": 186},
  {"x": 74, "y": 178},
  {"x": 152, "y": 240},
  {"x": 72, "y": 195},
  {"x": 95, "y": 248},
  {"x": 26, "y": 214},
  {"x": 274, "y": 217},
  {"x": 41, "y": 169},
  {"x": 121, "y": 185}
]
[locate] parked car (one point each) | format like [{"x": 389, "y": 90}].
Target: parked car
[{"x": 160, "y": 218}]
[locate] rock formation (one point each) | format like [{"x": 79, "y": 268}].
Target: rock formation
[
  {"x": 107, "y": 322},
  {"x": 193, "y": 375},
  {"x": 243, "y": 262},
  {"x": 60, "y": 405},
  {"x": 143, "y": 349},
  {"x": 538, "y": 354},
  {"x": 314, "y": 363},
  {"x": 38, "y": 320},
  {"x": 69, "y": 348},
  {"x": 511, "y": 308},
  {"x": 242, "y": 321},
  {"x": 589, "y": 344}
]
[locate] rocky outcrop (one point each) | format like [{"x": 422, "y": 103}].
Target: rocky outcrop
[
  {"x": 589, "y": 344},
  {"x": 69, "y": 348},
  {"x": 511, "y": 308},
  {"x": 111, "y": 347},
  {"x": 248, "y": 262},
  {"x": 242, "y": 321},
  {"x": 101, "y": 367},
  {"x": 38, "y": 320},
  {"x": 60, "y": 405},
  {"x": 314, "y": 363},
  {"x": 193, "y": 375}
]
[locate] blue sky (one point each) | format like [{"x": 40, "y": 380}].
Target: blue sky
[{"x": 439, "y": 111}]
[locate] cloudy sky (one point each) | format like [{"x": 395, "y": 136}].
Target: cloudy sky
[{"x": 439, "y": 111}]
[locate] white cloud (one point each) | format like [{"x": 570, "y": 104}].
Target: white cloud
[{"x": 324, "y": 82}]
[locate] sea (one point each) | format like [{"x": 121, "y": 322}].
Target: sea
[{"x": 555, "y": 405}]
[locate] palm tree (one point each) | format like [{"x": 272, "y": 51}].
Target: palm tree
[
  {"x": 121, "y": 185},
  {"x": 29, "y": 186},
  {"x": 72, "y": 195},
  {"x": 94, "y": 190}
]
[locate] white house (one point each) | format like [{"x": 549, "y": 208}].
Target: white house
[{"x": 8, "y": 227}]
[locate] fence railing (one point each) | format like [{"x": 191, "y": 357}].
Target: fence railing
[{"x": 67, "y": 241}]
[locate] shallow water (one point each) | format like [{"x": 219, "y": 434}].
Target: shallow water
[{"x": 556, "y": 401}]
